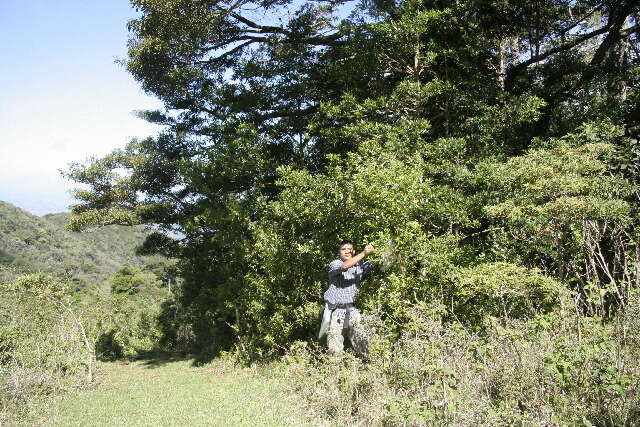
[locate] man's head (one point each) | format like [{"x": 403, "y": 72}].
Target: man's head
[{"x": 346, "y": 250}]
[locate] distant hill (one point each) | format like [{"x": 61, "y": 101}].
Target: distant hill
[{"x": 29, "y": 243}]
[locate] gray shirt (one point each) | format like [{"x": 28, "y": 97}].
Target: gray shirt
[{"x": 343, "y": 285}]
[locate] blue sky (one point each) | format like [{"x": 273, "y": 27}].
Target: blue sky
[{"x": 62, "y": 97}]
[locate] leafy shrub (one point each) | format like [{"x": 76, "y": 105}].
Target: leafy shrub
[
  {"x": 127, "y": 326},
  {"x": 44, "y": 345},
  {"x": 561, "y": 209},
  {"x": 503, "y": 290},
  {"x": 504, "y": 238}
]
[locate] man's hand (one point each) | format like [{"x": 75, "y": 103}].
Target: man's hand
[{"x": 368, "y": 249}]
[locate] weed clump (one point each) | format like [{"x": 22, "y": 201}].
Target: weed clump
[
  {"x": 554, "y": 368},
  {"x": 44, "y": 344}
]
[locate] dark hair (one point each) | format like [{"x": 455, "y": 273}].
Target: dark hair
[{"x": 345, "y": 242}]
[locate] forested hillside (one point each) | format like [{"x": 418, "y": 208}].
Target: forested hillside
[{"x": 30, "y": 243}]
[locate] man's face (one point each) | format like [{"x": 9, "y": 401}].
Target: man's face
[{"x": 346, "y": 251}]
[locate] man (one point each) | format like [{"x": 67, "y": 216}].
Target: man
[{"x": 340, "y": 316}]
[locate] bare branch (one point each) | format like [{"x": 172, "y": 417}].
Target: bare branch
[
  {"x": 262, "y": 28},
  {"x": 577, "y": 22},
  {"x": 628, "y": 31},
  {"x": 615, "y": 25}
]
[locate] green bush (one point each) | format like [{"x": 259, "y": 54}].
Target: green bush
[
  {"x": 128, "y": 325},
  {"x": 503, "y": 290},
  {"x": 129, "y": 329},
  {"x": 44, "y": 343}
]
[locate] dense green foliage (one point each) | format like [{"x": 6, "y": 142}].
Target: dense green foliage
[
  {"x": 495, "y": 143},
  {"x": 489, "y": 147},
  {"x": 30, "y": 244},
  {"x": 128, "y": 324}
]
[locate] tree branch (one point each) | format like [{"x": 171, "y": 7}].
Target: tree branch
[
  {"x": 263, "y": 28},
  {"x": 283, "y": 113},
  {"x": 627, "y": 32},
  {"x": 615, "y": 25},
  {"x": 577, "y": 22},
  {"x": 328, "y": 40},
  {"x": 235, "y": 50},
  {"x": 573, "y": 43}
]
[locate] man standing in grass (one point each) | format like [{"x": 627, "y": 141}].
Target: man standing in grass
[{"x": 340, "y": 317}]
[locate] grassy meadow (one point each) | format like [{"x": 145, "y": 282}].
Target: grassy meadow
[{"x": 172, "y": 392}]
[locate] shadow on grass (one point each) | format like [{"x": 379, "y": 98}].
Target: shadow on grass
[{"x": 157, "y": 359}]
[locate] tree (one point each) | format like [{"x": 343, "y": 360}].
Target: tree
[
  {"x": 287, "y": 129},
  {"x": 130, "y": 280}
]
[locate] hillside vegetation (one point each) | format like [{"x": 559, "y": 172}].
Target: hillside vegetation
[
  {"x": 68, "y": 299},
  {"x": 30, "y": 244}
]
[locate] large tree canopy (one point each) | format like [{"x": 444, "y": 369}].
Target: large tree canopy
[{"x": 491, "y": 140}]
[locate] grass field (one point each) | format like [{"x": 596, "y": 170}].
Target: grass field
[{"x": 174, "y": 392}]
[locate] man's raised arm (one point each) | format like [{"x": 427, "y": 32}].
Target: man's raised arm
[{"x": 357, "y": 258}]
